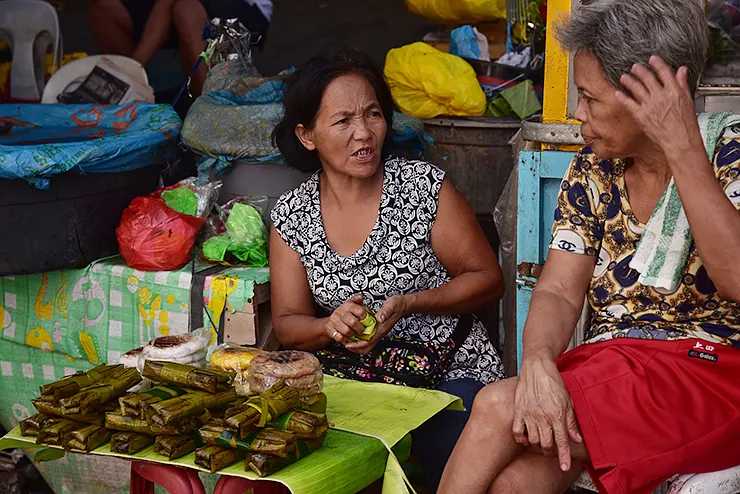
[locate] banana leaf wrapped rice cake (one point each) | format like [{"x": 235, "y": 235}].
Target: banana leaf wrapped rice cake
[
  {"x": 117, "y": 422},
  {"x": 91, "y": 398},
  {"x": 54, "y": 430},
  {"x": 313, "y": 403},
  {"x": 264, "y": 464},
  {"x": 208, "y": 380},
  {"x": 33, "y": 424},
  {"x": 55, "y": 410},
  {"x": 134, "y": 404},
  {"x": 128, "y": 443},
  {"x": 258, "y": 411},
  {"x": 86, "y": 438},
  {"x": 73, "y": 384},
  {"x": 174, "y": 447},
  {"x": 267, "y": 441},
  {"x": 214, "y": 458},
  {"x": 304, "y": 425},
  {"x": 187, "y": 405}
]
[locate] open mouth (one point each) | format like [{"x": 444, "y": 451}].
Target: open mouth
[{"x": 364, "y": 154}]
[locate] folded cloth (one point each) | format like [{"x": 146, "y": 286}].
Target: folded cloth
[{"x": 664, "y": 247}]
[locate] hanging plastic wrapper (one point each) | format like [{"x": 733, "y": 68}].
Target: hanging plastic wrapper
[
  {"x": 157, "y": 232},
  {"x": 238, "y": 109}
]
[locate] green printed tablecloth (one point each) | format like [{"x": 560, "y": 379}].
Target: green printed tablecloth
[
  {"x": 101, "y": 311},
  {"x": 54, "y": 324}
]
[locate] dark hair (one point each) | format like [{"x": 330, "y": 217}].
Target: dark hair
[{"x": 303, "y": 92}]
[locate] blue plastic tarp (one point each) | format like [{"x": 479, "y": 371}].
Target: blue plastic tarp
[{"x": 38, "y": 141}]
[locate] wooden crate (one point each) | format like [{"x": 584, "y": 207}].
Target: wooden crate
[{"x": 252, "y": 326}]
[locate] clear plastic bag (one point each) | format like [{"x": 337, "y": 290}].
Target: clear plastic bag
[
  {"x": 300, "y": 370},
  {"x": 229, "y": 356}
]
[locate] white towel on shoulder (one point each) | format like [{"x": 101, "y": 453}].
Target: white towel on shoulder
[{"x": 664, "y": 247}]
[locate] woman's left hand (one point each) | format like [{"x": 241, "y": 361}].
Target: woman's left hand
[
  {"x": 393, "y": 309},
  {"x": 661, "y": 102}
]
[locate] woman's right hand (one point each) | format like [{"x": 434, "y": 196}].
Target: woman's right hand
[
  {"x": 344, "y": 323},
  {"x": 543, "y": 410}
]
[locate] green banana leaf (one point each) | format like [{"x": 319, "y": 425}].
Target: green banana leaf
[{"x": 367, "y": 420}]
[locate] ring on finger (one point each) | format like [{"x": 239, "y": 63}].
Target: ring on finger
[{"x": 334, "y": 334}]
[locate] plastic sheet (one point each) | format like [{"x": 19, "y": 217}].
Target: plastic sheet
[{"x": 40, "y": 141}]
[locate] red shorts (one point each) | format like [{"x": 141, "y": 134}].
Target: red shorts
[{"x": 650, "y": 409}]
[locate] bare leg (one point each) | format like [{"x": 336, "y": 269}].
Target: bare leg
[
  {"x": 111, "y": 26},
  {"x": 190, "y": 18},
  {"x": 486, "y": 451},
  {"x": 534, "y": 472},
  {"x": 486, "y": 445},
  {"x": 156, "y": 31}
]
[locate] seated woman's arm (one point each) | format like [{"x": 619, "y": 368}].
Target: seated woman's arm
[
  {"x": 462, "y": 248},
  {"x": 293, "y": 314},
  {"x": 543, "y": 413},
  {"x": 291, "y": 301}
]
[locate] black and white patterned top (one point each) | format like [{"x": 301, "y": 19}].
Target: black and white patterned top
[{"x": 396, "y": 258}]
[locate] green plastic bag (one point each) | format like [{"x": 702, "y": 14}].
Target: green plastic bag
[
  {"x": 244, "y": 241},
  {"x": 182, "y": 199}
]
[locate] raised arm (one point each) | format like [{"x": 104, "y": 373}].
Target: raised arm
[{"x": 662, "y": 104}]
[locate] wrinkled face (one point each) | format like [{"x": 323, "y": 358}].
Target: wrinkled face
[
  {"x": 607, "y": 126},
  {"x": 349, "y": 129}
]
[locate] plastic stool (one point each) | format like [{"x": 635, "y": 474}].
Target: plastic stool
[
  {"x": 31, "y": 26},
  {"x": 238, "y": 485},
  {"x": 175, "y": 480}
]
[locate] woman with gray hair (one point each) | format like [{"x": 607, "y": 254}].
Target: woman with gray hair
[{"x": 647, "y": 230}]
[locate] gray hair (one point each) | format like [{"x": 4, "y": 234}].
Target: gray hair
[{"x": 621, "y": 33}]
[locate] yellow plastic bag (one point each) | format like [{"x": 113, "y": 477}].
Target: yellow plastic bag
[
  {"x": 459, "y": 11},
  {"x": 426, "y": 82}
]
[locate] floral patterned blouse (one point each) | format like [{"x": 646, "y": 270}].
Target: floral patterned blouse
[
  {"x": 594, "y": 218},
  {"x": 396, "y": 258}
]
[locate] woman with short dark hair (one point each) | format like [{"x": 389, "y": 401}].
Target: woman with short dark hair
[
  {"x": 371, "y": 233},
  {"x": 647, "y": 229}
]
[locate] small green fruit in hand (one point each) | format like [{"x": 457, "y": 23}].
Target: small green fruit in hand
[{"x": 370, "y": 324}]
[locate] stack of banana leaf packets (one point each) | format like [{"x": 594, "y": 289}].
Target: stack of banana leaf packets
[{"x": 179, "y": 409}]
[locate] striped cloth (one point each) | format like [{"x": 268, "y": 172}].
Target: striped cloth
[{"x": 664, "y": 247}]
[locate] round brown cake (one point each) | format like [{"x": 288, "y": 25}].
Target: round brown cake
[{"x": 298, "y": 369}]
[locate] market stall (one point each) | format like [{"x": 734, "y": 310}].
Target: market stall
[{"x": 366, "y": 422}]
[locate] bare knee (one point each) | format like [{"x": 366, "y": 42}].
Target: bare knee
[
  {"x": 510, "y": 481},
  {"x": 106, "y": 9},
  {"x": 189, "y": 15},
  {"x": 495, "y": 402}
]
